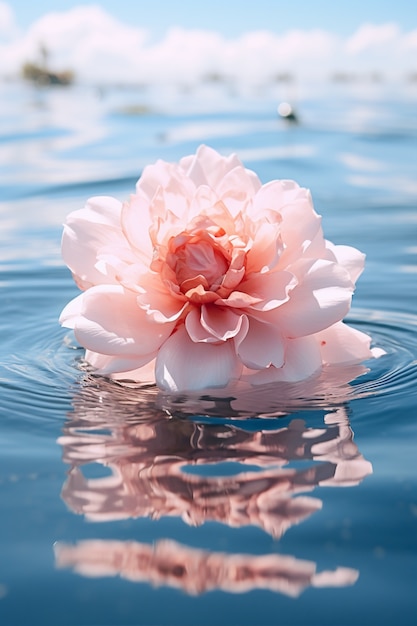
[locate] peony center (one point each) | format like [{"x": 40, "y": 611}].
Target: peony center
[{"x": 199, "y": 263}]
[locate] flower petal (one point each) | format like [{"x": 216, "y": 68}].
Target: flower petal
[
  {"x": 159, "y": 303},
  {"x": 108, "y": 320},
  {"x": 205, "y": 202},
  {"x": 343, "y": 344},
  {"x": 350, "y": 258},
  {"x": 262, "y": 346},
  {"x": 238, "y": 300},
  {"x": 321, "y": 299},
  {"x": 144, "y": 374},
  {"x": 213, "y": 323},
  {"x": 299, "y": 223},
  {"x": 89, "y": 233},
  {"x": 136, "y": 222},
  {"x": 208, "y": 167},
  {"x": 302, "y": 360},
  {"x": 266, "y": 248},
  {"x": 170, "y": 177},
  {"x": 195, "y": 330},
  {"x": 118, "y": 367},
  {"x": 71, "y": 312},
  {"x": 221, "y": 322},
  {"x": 237, "y": 188},
  {"x": 183, "y": 365},
  {"x": 271, "y": 289}
]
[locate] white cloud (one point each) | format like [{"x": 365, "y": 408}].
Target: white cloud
[
  {"x": 259, "y": 55},
  {"x": 100, "y": 48},
  {"x": 382, "y": 48},
  {"x": 410, "y": 41},
  {"x": 371, "y": 37},
  {"x": 8, "y": 28},
  {"x": 183, "y": 55}
]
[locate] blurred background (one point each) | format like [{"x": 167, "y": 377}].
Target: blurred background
[{"x": 186, "y": 43}]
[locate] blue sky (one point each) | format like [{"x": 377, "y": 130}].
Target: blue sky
[
  {"x": 234, "y": 17},
  {"x": 182, "y": 41}
]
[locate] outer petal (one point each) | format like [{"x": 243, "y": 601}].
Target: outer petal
[
  {"x": 144, "y": 375},
  {"x": 342, "y": 344},
  {"x": 91, "y": 232},
  {"x": 183, "y": 365},
  {"x": 262, "y": 346},
  {"x": 350, "y": 258},
  {"x": 136, "y": 222},
  {"x": 72, "y": 312},
  {"x": 103, "y": 210},
  {"x": 300, "y": 222},
  {"x": 321, "y": 299},
  {"x": 292, "y": 202},
  {"x": 136, "y": 368},
  {"x": 302, "y": 360},
  {"x": 107, "y": 319}
]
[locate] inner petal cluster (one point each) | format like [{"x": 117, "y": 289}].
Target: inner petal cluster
[
  {"x": 201, "y": 266},
  {"x": 199, "y": 263}
]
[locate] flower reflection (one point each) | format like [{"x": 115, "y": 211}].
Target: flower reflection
[
  {"x": 164, "y": 466},
  {"x": 196, "y": 571}
]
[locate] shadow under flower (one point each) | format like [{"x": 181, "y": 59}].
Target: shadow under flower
[{"x": 164, "y": 466}]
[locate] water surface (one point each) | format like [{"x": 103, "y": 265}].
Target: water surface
[{"x": 126, "y": 506}]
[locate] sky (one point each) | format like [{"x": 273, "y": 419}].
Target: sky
[
  {"x": 234, "y": 17},
  {"x": 137, "y": 40}
]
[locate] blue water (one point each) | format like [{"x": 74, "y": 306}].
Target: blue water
[{"x": 125, "y": 506}]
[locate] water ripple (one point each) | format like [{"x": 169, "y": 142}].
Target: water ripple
[
  {"x": 47, "y": 369},
  {"x": 396, "y": 371}
]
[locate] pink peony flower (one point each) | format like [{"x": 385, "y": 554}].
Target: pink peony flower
[{"x": 206, "y": 277}]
